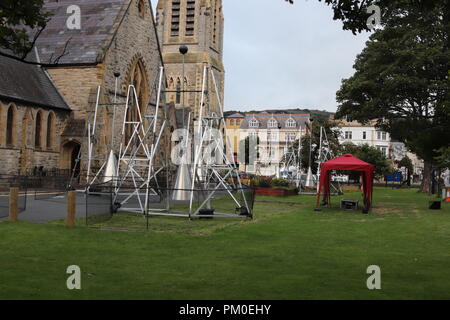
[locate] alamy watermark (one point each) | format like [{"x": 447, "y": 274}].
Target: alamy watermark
[
  {"x": 73, "y": 22},
  {"x": 74, "y": 280},
  {"x": 374, "y": 20},
  {"x": 374, "y": 281}
]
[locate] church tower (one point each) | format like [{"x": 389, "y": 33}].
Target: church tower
[{"x": 199, "y": 25}]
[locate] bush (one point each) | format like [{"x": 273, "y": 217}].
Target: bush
[
  {"x": 261, "y": 183},
  {"x": 280, "y": 183}
]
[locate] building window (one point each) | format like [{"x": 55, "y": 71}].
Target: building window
[
  {"x": 137, "y": 77},
  {"x": 381, "y": 135},
  {"x": 291, "y": 123},
  {"x": 231, "y": 122},
  {"x": 254, "y": 123},
  {"x": 272, "y": 153},
  {"x": 348, "y": 135},
  {"x": 364, "y": 135},
  {"x": 253, "y": 134},
  {"x": 273, "y": 123},
  {"x": 38, "y": 131},
  {"x": 238, "y": 122},
  {"x": 50, "y": 124},
  {"x": 190, "y": 17},
  {"x": 383, "y": 149},
  {"x": 290, "y": 136},
  {"x": 10, "y": 127},
  {"x": 175, "y": 27},
  {"x": 178, "y": 98},
  {"x": 272, "y": 136},
  {"x": 141, "y": 8}
]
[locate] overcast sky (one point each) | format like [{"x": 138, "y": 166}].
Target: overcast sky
[{"x": 280, "y": 56}]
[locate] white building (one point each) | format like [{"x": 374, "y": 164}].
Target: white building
[
  {"x": 359, "y": 134},
  {"x": 275, "y": 132}
]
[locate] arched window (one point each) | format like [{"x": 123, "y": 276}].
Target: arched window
[
  {"x": 37, "y": 137},
  {"x": 178, "y": 99},
  {"x": 253, "y": 123},
  {"x": 50, "y": 123},
  {"x": 290, "y": 123},
  {"x": 10, "y": 126},
  {"x": 137, "y": 77},
  {"x": 141, "y": 8},
  {"x": 273, "y": 123}
]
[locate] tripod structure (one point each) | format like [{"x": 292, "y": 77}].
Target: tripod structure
[
  {"x": 135, "y": 170},
  {"x": 213, "y": 172},
  {"x": 140, "y": 142}
]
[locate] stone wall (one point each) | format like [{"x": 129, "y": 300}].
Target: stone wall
[
  {"x": 23, "y": 154},
  {"x": 75, "y": 84}
]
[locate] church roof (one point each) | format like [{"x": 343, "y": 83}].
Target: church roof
[
  {"x": 99, "y": 22},
  {"x": 29, "y": 84}
]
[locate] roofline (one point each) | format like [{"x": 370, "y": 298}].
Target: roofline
[
  {"x": 32, "y": 103},
  {"x": 114, "y": 35}
]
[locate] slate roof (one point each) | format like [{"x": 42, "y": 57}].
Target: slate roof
[
  {"x": 29, "y": 84},
  {"x": 236, "y": 115},
  {"x": 99, "y": 21},
  {"x": 263, "y": 119}
]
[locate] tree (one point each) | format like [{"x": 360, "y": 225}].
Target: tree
[
  {"x": 407, "y": 163},
  {"x": 248, "y": 150},
  {"x": 443, "y": 158},
  {"x": 371, "y": 155},
  {"x": 333, "y": 140},
  {"x": 17, "y": 17},
  {"x": 402, "y": 81}
]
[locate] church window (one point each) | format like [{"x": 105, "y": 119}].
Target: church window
[
  {"x": 175, "y": 27},
  {"x": 178, "y": 98},
  {"x": 138, "y": 78},
  {"x": 38, "y": 131},
  {"x": 141, "y": 8},
  {"x": 10, "y": 126},
  {"x": 190, "y": 17},
  {"x": 50, "y": 125}
]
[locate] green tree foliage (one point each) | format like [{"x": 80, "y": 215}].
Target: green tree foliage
[
  {"x": 333, "y": 140},
  {"x": 17, "y": 17},
  {"x": 407, "y": 163},
  {"x": 443, "y": 158},
  {"x": 370, "y": 155},
  {"x": 402, "y": 80}
]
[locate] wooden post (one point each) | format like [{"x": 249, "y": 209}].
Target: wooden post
[
  {"x": 71, "y": 208},
  {"x": 13, "y": 204}
]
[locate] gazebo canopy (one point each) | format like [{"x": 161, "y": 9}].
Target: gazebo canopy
[{"x": 347, "y": 162}]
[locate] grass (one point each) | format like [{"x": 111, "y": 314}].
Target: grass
[{"x": 288, "y": 252}]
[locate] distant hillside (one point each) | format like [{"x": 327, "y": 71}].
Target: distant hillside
[{"x": 315, "y": 114}]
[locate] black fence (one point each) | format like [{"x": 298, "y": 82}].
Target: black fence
[{"x": 126, "y": 208}]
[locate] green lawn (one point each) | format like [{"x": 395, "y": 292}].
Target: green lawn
[{"x": 288, "y": 252}]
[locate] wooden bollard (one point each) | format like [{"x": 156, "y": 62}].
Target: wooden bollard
[
  {"x": 71, "y": 208},
  {"x": 13, "y": 204}
]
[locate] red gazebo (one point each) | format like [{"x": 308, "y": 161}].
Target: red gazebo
[{"x": 347, "y": 162}]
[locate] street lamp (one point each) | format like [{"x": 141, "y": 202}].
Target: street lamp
[{"x": 183, "y": 50}]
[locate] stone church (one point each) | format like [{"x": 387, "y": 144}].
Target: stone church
[{"x": 45, "y": 106}]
